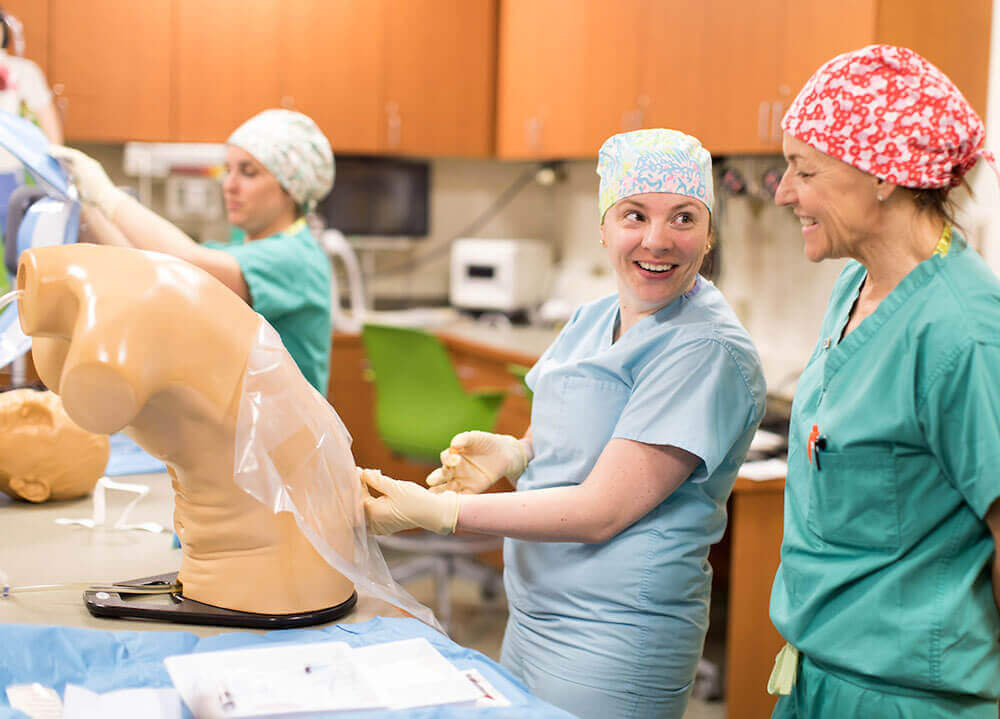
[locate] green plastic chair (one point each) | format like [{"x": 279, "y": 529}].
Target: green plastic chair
[
  {"x": 419, "y": 402},
  {"x": 419, "y": 406}
]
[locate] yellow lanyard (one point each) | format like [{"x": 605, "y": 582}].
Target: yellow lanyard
[{"x": 944, "y": 242}]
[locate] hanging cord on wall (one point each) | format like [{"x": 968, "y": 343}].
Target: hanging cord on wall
[{"x": 504, "y": 199}]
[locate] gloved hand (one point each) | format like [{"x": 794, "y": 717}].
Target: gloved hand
[
  {"x": 92, "y": 182},
  {"x": 406, "y": 505},
  {"x": 475, "y": 460}
]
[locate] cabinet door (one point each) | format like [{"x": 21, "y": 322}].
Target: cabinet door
[
  {"x": 740, "y": 85},
  {"x": 953, "y": 36},
  {"x": 816, "y": 31},
  {"x": 675, "y": 66},
  {"x": 439, "y": 77},
  {"x": 540, "y": 95},
  {"x": 34, "y": 17},
  {"x": 112, "y": 61},
  {"x": 613, "y": 50},
  {"x": 227, "y": 66},
  {"x": 332, "y": 66}
]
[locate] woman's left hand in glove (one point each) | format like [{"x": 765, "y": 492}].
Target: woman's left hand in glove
[{"x": 407, "y": 505}]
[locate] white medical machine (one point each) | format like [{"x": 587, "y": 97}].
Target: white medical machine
[{"x": 499, "y": 275}]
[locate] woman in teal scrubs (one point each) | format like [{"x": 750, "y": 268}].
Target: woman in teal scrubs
[
  {"x": 644, "y": 407},
  {"x": 278, "y": 166},
  {"x": 889, "y": 584}
]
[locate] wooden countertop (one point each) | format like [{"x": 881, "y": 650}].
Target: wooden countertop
[
  {"x": 744, "y": 485},
  {"x": 517, "y": 343}
]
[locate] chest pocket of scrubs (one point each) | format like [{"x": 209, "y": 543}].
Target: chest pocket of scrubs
[
  {"x": 589, "y": 411},
  {"x": 853, "y": 499}
]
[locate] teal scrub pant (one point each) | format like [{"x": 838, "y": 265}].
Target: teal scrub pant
[
  {"x": 583, "y": 699},
  {"x": 819, "y": 694}
]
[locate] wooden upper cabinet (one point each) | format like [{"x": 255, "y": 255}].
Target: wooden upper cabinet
[
  {"x": 674, "y": 67},
  {"x": 111, "y": 60},
  {"x": 613, "y": 50},
  {"x": 540, "y": 79},
  {"x": 34, "y": 17},
  {"x": 568, "y": 75},
  {"x": 332, "y": 60},
  {"x": 439, "y": 77},
  {"x": 816, "y": 31},
  {"x": 953, "y": 36},
  {"x": 226, "y": 65},
  {"x": 741, "y": 75}
]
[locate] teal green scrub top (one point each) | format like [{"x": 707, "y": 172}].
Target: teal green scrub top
[
  {"x": 630, "y": 614},
  {"x": 288, "y": 276},
  {"x": 885, "y": 562}
]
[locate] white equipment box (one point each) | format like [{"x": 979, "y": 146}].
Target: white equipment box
[{"x": 500, "y": 275}]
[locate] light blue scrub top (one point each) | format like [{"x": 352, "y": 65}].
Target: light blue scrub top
[
  {"x": 288, "y": 276},
  {"x": 631, "y": 614},
  {"x": 885, "y": 562}
]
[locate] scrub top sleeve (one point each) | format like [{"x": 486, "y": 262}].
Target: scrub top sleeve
[
  {"x": 961, "y": 417},
  {"x": 694, "y": 397},
  {"x": 270, "y": 267}
]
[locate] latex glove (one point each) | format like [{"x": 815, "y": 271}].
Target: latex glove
[
  {"x": 92, "y": 182},
  {"x": 475, "y": 460},
  {"x": 406, "y": 505}
]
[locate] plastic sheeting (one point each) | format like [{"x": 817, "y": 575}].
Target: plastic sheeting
[
  {"x": 13, "y": 342},
  {"x": 323, "y": 489}
]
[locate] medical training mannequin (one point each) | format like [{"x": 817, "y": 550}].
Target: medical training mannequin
[
  {"x": 148, "y": 343},
  {"x": 44, "y": 455}
]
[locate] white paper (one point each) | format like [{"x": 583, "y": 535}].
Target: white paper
[
  {"x": 81, "y": 703},
  {"x": 35, "y": 700},
  {"x": 764, "y": 469},
  {"x": 324, "y": 677},
  {"x": 412, "y": 673}
]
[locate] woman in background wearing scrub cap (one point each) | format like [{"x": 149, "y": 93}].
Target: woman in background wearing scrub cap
[
  {"x": 644, "y": 407},
  {"x": 278, "y": 166},
  {"x": 889, "y": 584}
]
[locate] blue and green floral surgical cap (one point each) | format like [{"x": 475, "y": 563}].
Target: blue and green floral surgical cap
[
  {"x": 293, "y": 149},
  {"x": 642, "y": 161}
]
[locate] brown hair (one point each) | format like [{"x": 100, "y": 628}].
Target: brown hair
[{"x": 938, "y": 201}]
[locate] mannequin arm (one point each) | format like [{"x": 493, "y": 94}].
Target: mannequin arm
[{"x": 628, "y": 481}]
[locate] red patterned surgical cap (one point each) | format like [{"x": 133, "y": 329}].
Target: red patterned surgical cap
[{"x": 888, "y": 111}]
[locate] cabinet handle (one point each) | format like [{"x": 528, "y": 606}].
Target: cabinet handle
[
  {"x": 394, "y": 124},
  {"x": 762, "y": 116},
  {"x": 777, "y": 112},
  {"x": 640, "y": 114},
  {"x": 631, "y": 120},
  {"x": 533, "y": 133},
  {"x": 58, "y": 88}
]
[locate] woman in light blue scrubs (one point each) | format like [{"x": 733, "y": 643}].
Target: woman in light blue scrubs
[
  {"x": 889, "y": 584},
  {"x": 644, "y": 407}
]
